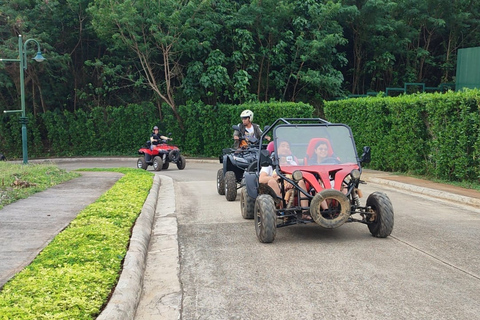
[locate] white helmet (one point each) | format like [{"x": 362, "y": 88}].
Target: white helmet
[{"x": 247, "y": 113}]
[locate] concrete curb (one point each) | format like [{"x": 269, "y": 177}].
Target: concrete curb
[
  {"x": 127, "y": 293},
  {"x": 428, "y": 192}
]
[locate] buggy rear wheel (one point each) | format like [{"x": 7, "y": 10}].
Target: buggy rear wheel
[
  {"x": 181, "y": 162},
  {"x": 265, "y": 218},
  {"x": 230, "y": 186},
  {"x": 157, "y": 163},
  {"x": 382, "y": 208},
  {"x": 220, "y": 182},
  {"x": 247, "y": 204},
  {"x": 337, "y": 211},
  {"x": 141, "y": 163}
]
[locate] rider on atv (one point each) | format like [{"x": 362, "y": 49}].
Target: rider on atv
[
  {"x": 156, "y": 138},
  {"x": 246, "y": 129}
]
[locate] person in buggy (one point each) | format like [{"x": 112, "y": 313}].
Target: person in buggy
[
  {"x": 246, "y": 129},
  {"x": 156, "y": 138},
  {"x": 269, "y": 176}
]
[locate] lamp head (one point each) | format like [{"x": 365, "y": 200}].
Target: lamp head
[{"x": 39, "y": 57}]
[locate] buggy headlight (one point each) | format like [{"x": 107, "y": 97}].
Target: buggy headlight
[
  {"x": 355, "y": 174},
  {"x": 297, "y": 175}
]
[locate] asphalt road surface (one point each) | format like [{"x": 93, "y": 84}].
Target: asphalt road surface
[{"x": 427, "y": 269}]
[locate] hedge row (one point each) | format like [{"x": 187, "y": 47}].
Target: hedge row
[
  {"x": 436, "y": 135},
  {"x": 205, "y": 130}
]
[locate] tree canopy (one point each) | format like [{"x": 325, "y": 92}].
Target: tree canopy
[{"x": 115, "y": 52}]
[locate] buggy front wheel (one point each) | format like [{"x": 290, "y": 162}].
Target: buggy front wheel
[
  {"x": 382, "y": 210},
  {"x": 265, "y": 218}
]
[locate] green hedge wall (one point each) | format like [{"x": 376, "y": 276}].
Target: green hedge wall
[
  {"x": 205, "y": 129},
  {"x": 435, "y": 134}
]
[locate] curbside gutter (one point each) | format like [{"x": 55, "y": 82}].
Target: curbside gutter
[{"x": 126, "y": 296}]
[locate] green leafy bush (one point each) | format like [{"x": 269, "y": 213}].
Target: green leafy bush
[
  {"x": 205, "y": 130},
  {"x": 74, "y": 275},
  {"x": 436, "y": 135}
]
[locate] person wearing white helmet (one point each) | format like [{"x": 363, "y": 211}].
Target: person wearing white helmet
[
  {"x": 247, "y": 128},
  {"x": 156, "y": 137}
]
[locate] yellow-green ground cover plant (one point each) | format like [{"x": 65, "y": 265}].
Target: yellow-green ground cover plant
[{"x": 74, "y": 275}]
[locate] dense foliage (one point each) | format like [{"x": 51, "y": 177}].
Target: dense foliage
[
  {"x": 436, "y": 135},
  {"x": 113, "y": 53},
  {"x": 74, "y": 275},
  {"x": 123, "y": 130}
]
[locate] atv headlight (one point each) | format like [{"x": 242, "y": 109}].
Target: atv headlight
[
  {"x": 355, "y": 174},
  {"x": 297, "y": 175}
]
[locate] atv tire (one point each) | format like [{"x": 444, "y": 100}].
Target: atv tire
[
  {"x": 141, "y": 163},
  {"x": 247, "y": 204},
  {"x": 181, "y": 162},
  {"x": 157, "y": 163},
  {"x": 381, "y": 205},
  {"x": 230, "y": 186},
  {"x": 166, "y": 165},
  {"x": 220, "y": 182},
  {"x": 173, "y": 155},
  {"x": 338, "y": 210},
  {"x": 265, "y": 218}
]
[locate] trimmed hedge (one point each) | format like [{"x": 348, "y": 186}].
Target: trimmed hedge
[
  {"x": 428, "y": 134},
  {"x": 123, "y": 130}
]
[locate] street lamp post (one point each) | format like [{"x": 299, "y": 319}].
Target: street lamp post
[{"x": 22, "y": 58}]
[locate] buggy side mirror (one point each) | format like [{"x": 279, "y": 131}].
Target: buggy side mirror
[
  {"x": 265, "y": 159},
  {"x": 366, "y": 155}
]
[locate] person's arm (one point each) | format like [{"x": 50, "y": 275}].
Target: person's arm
[{"x": 165, "y": 138}]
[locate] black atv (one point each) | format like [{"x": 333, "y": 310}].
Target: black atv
[{"x": 235, "y": 161}]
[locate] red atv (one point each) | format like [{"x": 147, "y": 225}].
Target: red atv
[{"x": 160, "y": 157}]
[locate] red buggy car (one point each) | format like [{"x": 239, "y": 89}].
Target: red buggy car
[{"x": 330, "y": 185}]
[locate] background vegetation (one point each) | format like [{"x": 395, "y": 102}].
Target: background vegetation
[
  {"x": 435, "y": 135},
  {"x": 113, "y": 53},
  {"x": 123, "y": 130}
]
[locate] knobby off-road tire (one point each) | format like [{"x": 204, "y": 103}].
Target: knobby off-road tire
[
  {"x": 181, "y": 162},
  {"x": 382, "y": 206},
  {"x": 141, "y": 163},
  {"x": 166, "y": 165},
  {"x": 220, "y": 182},
  {"x": 338, "y": 210},
  {"x": 265, "y": 218},
  {"x": 157, "y": 163},
  {"x": 247, "y": 204},
  {"x": 230, "y": 186}
]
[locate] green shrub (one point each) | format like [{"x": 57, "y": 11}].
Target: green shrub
[
  {"x": 429, "y": 134},
  {"x": 74, "y": 275}
]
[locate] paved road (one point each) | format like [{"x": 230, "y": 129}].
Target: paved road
[{"x": 427, "y": 269}]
